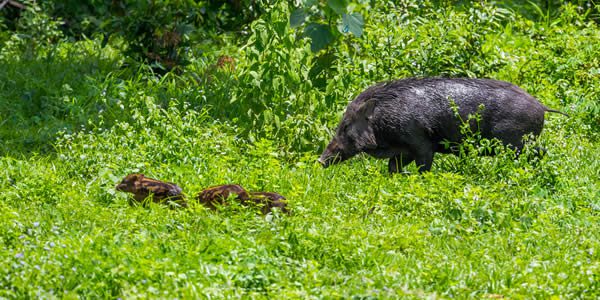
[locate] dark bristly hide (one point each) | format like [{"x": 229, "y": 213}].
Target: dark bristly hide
[{"x": 410, "y": 119}]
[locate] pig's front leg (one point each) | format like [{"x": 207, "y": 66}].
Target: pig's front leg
[{"x": 398, "y": 162}]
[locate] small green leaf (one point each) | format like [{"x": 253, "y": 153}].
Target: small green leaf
[
  {"x": 353, "y": 23},
  {"x": 339, "y": 6},
  {"x": 310, "y": 3},
  {"x": 297, "y": 18},
  {"x": 185, "y": 29},
  {"x": 319, "y": 34},
  {"x": 318, "y": 72},
  {"x": 280, "y": 28}
]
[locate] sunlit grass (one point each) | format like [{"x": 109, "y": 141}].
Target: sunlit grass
[{"x": 473, "y": 227}]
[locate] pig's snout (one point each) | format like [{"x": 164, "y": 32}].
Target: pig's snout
[
  {"x": 331, "y": 155},
  {"x": 327, "y": 159},
  {"x": 121, "y": 187},
  {"x": 323, "y": 162}
]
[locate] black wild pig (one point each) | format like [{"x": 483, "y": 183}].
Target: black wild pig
[{"x": 407, "y": 120}]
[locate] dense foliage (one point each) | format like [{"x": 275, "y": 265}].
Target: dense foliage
[{"x": 212, "y": 92}]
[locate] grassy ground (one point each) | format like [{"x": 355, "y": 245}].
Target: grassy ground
[{"x": 75, "y": 122}]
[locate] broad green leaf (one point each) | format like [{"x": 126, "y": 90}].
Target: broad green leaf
[
  {"x": 297, "y": 18},
  {"x": 319, "y": 34},
  {"x": 280, "y": 28},
  {"x": 318, "y": 71},
  {"x": 185, "y": 29},
  {"x": 353, "y": 23},
  {"x": 339, "y": 6}
]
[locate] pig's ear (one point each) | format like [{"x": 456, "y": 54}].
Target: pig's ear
[
  {"x": 365, "y": 110},
  {"x": 364, "y": 132}
]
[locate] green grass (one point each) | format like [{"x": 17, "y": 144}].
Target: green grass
[
  {"x": 473, "y": 227},
  {"x": 524, "y": 231}
]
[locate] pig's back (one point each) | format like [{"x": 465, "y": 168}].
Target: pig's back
[{"x": 425, "y": 104}]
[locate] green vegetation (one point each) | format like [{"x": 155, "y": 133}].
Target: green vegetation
[{"x": 83, "y": 105}]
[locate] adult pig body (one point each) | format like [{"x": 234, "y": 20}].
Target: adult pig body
[{"x": 408, "y": 119}]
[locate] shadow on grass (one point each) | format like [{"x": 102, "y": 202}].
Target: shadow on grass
[{"x": 42, "y": 96}]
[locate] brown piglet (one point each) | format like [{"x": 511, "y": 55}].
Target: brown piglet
[
  {"x": 217, "y": 195},
  {"x": 160, "y": 192},
  {"x": 269, "y": 200}
]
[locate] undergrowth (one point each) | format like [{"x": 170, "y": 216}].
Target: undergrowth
[{"x": 76, "y": 118}]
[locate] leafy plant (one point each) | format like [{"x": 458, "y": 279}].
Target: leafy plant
[
  {"x": 327, "y": 20},
  {"x": 255, "y": 107},
  {"x": 36, "y": 32}
]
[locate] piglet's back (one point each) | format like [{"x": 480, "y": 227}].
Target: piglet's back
[
  {"x": 143, "y": 187},
  {"x": 269, "y": 200},
  {"x": 217, "y": 195}
]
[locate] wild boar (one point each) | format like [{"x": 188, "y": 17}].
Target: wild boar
[
  {"x": 411, "y": 119},
  {"x": 217, "y": 195},
  {"x": 269, "y": 200},
  {"x": 143, "y": 187}
]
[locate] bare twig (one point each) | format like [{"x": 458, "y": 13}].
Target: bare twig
[
  {"x": 16, "y": 4},
  {"x": 12, "y": 3}
]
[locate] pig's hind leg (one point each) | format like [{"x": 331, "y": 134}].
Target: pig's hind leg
[
  {"x": 423, "y": 155},
  {"x": 424, "y": 161},
  {"x": 419, "y": 148}
]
